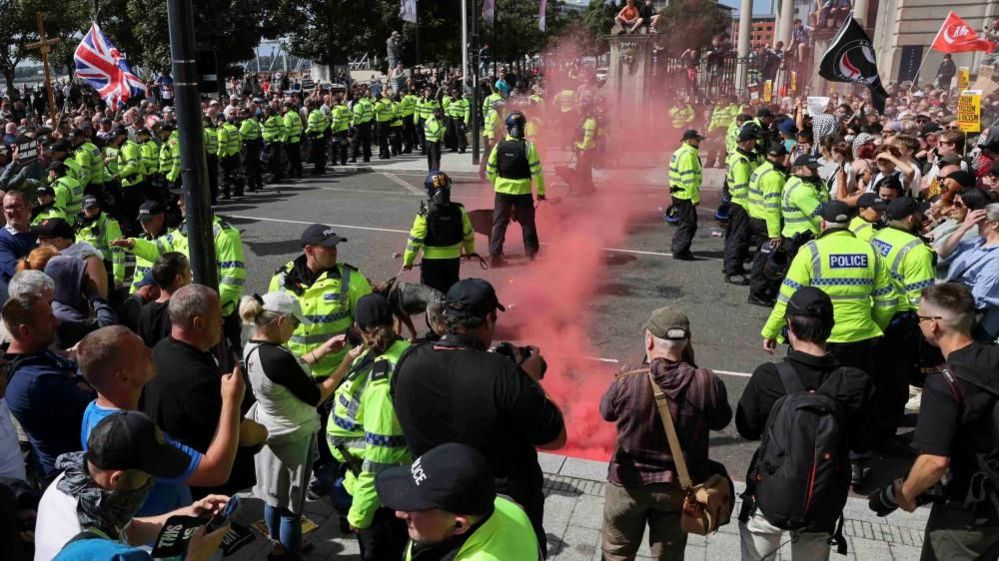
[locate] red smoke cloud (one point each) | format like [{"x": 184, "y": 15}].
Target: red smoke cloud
[{"x": 551, "y": 297}]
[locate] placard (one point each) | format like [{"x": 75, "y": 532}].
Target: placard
[{"x": 969, "y": 111}]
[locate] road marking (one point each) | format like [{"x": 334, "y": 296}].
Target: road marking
[
  {"x": 403, "y": 183},
  {"x": 307, "y": 223},
  {"x": 367, "y": 191}
]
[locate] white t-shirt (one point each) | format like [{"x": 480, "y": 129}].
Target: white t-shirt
[
  {"x": 11, "y": 461},
  {"x": 57, "y": 522}
]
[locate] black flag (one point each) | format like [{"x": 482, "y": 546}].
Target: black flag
[{"x": 850, "y": 58}]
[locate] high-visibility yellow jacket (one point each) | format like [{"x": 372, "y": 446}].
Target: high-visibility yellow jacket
[
  {"x": 437, "y": 238},
  {"x": 799, "y": 208},
  {"x": 685, "y": 174},
  {"x": 910, "y": 262},
  {"x": 512, "y": 172},
  {"x": 99, "y": 232},
  {"x": 766, "y": 186}
]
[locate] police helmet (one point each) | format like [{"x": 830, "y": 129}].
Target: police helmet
[
  {"x": 438, "y": 186},
  {"x": 515, "y": 124},
  {"x": 671, "y": 215},
  {"x": 778, "y": 263},
  {"x": 724, "y": 212}
]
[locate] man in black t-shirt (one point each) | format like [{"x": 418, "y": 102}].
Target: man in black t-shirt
[
  {"x": 455, "y": 390},
  {"x": 957, "y": 435},
  {"x": 171, "y": 272}
]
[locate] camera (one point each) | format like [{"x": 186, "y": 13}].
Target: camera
[{"x": 512, "y": 351}]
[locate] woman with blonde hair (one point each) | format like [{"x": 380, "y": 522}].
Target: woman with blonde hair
[{"x": 287, "y": 398}]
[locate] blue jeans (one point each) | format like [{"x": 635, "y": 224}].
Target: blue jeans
[{"x": 286, "y": 528}]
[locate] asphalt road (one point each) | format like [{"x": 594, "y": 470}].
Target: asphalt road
[{"x": 635, "y": 274}]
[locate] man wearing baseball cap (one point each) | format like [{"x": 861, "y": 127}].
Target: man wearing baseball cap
[
  {"x": 870, "y": 214},
  {"x": 857, "y": 279},
  {"x": 685, "y": 192},
  {"x": 643, "y": 488},
  {"x": 448, "y": 499},
  {"x": 501, "y": 410},
  {"x": 328, "y": 292},
  {"x": 809, "y": 366},
  {"x": 765, "y": 188},
  {"x": 910, "y": 262},
  {"x": 99, "y": 491}
]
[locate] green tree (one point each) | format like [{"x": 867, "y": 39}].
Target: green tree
[
  {"x": 19, "y": 27},
  {"x": 516, "y": 33},
  {"x": 598, "y": 18},
  {"x": 690, "y": 24}
]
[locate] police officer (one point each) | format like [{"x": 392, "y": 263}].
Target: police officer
[
  {"x": 229, "y": 143},
  {"x": 955, "y": 436},
  {"x": 800, "y": 200},
  {"x": 150, "y": 152},
  {"x": 433, "y": 132},
  {"x": 98, "y": 229},
  {"x": 383, "y": 121},
  {"x": 152, "y": 218},
  {"x": 362, "y": 121},
  {"x": 396, "y": 126},
  {"x": 765, "y": 188},
  {"x": 513, "y": 164},
  {"x": 441, "y": 230},
  {"x": 328, "y": 292},
  {"x": 68, "y": 192},
  {"x": 130, "y": 173},
  {"x": 340, "y": 124},
  {"x": 169, "y": 166},
  {"x": 457, "y": 113},
  {"x": 490, "y": 128},
  {"x": 685, "y": 192},
  {"x": 88, "y": 155},
  {"x": 317, "y": 130},
  {"x": 45, "y": 207},
  {"x": 870, "y": 216},
  {"x": 363, "y": 432},
  {"x": 211, "y": 135},
  {"x": 273, "y": 133},
  {"x": 408, "y": 106},
  {"x": 293, "y": 139},
  {"x": 251, "y": 145},
  {"x": 742, "y": 161},
  {"x": 910, "y": 262},
  {"x": 229, "y": 256},
  {"x": 424, "y": 110}
]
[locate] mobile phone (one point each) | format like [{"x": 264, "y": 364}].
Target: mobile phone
[{"x": 224, "y": 516}]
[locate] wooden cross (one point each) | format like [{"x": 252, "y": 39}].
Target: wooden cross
[{"x": 44, "y": 46}]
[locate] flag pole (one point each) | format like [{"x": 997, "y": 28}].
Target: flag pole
[{"x": 915, "y": 77}]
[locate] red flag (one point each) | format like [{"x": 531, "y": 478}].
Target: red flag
[{"x": 956, "y": 36}]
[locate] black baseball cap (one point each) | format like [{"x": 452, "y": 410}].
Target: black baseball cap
[
  {"x": 809, "y": 301},
  {"x": 777, "y": 149},
  {"x": 149, "y": 209},
  {"x": 963, "y": 178},
  {"x": 90, "y": 201},
  {"x": 318, "y": 234},
  {"x": 56, "y": 166},
  {"x": 53, "y": 228},
  {"x": 61, "y": 146},
  {"x": 45, "y": 190},
  {"x": 451, "y": 477},
  {"x": 475, "y": 297},
  {"x": 372, "y": 310},
  {"x": 835, "y": 212},
  {"x": 130, "y": 440},
  {"x": 871, "y": 200},
  {"x": 747, "y": 133},
  {"x": 691, "y": 134},
  {"x": 807, "y": 161},
  {"x": 902, "y": 207}
]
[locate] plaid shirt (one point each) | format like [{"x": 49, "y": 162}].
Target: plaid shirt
[{"x": 697, "y": 401}]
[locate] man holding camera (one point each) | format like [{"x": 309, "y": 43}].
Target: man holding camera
[
  {"x": 456, "y": 390},
  {"x": 955, "y": 436}
]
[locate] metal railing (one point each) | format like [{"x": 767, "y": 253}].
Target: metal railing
[{"x": 713, "y": 78}]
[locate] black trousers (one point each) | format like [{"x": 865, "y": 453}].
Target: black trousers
[
  {"x": 759, "y": 285},
  {"x": 686, "y": 227},
  {"x": 421, "y": 137},
  {"x": 409, "y": 137},
  {"x": 456, "y": 135},
  {"x": 896, "y": 363},
  {"x": 131, "y": 198},
  {"x": 276, "y": 163},
  {"x": 503, "y": 208},
  {"x": 395, "y": 139},
  {"x": 383, "y": 139},
  {"x": 293, "y": 152},
  {"x": 440, "y": 273},
  {"x": 433, "y": 150},
  {"x": 338, "y": 148},
  {"x": 362, "y": 142},
  {"x": 858, "y": 354},
  {"x": 385, "y": 539},
  {"x": 737, "y": 236},
  {"x": 232, "y": 181},
  {"x": 250, "y": 160},
  {"x": 213, "y": 175},
  {"x": 317, "y": 153}
]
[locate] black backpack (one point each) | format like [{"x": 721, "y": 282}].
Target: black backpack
[{"x": 801, "y": 476}]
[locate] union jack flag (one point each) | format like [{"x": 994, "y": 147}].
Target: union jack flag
[{"x": 101, "y": 64}]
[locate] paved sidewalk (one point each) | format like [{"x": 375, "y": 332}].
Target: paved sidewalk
[{"x": 573, "y": 514}]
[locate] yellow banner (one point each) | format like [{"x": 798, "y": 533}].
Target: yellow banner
[
  {"x": 963, "y": 78},
  {"x": 768, "y": 91},
  {"x": 969, "y": 111},
  {"x": 794, "y": 81}
]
